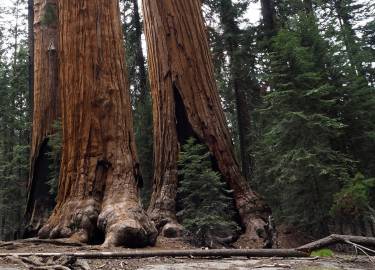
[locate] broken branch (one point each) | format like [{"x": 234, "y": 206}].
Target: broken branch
[{"x": 335, "y": 239}]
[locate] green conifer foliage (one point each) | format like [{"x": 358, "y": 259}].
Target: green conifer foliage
[
  {"x": 14, "y": 122},
  {"x": 140, "y": 92},
  {"x": 368, "y": 47},
  {"x": 296, "y": 161},
  {"x": 234, "y": 53},
  {"x": 353, "y": 200},
  {"x": 206, "y": 206}
]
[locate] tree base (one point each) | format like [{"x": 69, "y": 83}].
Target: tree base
[
  {"x": 128, "y": 226},
  {"x": 81, "y": 221},
  {"x": 166, "y": 223},
  {"x": 256, "y": 218},
  {"x": 172, "y": 230},
  {"x": 75, "y": 219}
]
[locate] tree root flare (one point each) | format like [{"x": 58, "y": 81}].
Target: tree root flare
[{"x": 127, "y": 226}]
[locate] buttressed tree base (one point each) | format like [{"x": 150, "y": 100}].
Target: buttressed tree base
[
  {"x": 99, "y": 180},
  {"x": 186, "y": 104}
]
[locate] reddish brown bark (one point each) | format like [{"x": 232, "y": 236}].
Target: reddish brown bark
[
  {"x": 30, "y": 43},
  {"x": 46, "y": 111},
  {"x": 186, "y": 103},
  {"x": 98, "y": 190}
]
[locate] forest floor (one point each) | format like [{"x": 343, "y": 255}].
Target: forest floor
[{"x": 342, "y": 262}]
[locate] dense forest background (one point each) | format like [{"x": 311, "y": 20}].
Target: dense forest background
[{"x": 297, "y": 87}]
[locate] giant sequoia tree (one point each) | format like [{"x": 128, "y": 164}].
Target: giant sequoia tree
[
  {"x": 186, "y": 104},
  {"x": 98, "y": 188},
  {"x": 46, "y": 112}
]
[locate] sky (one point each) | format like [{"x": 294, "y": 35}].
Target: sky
[{"x": 252, "y": 15}]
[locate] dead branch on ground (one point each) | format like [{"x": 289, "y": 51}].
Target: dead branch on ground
[{"x": 336, "y": 239}]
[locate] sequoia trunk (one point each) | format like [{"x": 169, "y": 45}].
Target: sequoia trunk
[
  {"x": 98, "y": 187},
  {"x": 186, "y": 103},
  {"x": 46, "y": 112}
]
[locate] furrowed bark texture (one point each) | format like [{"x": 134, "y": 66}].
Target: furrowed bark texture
[
  {"x": 98, "y": 189},
  {"x": 30, "y": 41},
  {"x": 186, "y": 103},
  {"x": 47, "y": 110}
]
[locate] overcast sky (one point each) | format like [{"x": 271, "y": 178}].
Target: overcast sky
[{"x": 253, "y": 13}]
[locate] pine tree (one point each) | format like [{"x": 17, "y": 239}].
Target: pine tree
[
  {"x": 234, "y": 53},
  {"x": 296, "y": 159},
  {"x": 14, "y": 121},
  {"x": 207, "y": 210},
  {"x": 349, "y": 37},
  {"x": 352, "y": 71},
  {"x": 240, "y": 51},
  {"x": 353, "y": 205},
  {"x": 269, "y": 18},
  {"x": 317, "y": 121},
  {"x": 368, "y": 47}
]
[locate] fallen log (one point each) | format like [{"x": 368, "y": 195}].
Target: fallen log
[
  {"x": 336, "y": 239},
  {"x": 171, "y": 253},
  {"x": 302, "y": 251}
]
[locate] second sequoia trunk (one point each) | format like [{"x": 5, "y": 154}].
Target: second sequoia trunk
[
  {"x": 186, "y": 103},
  {"x": 46, "y": 111},
  {"x": 98, "y": 189}
]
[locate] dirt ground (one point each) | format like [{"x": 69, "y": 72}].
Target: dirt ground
[
  {"x": 342, "y": 262},
  {"x": 334, "y": 263}
]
